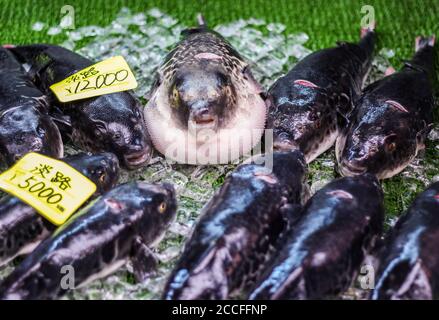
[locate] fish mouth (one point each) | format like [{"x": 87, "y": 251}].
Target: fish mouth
[
  {"x": 204, "y": 120},
  {"x": 136, "y": 159},
  {"x": 285, "y": 145},
  {"x": 348, "y": 169}
]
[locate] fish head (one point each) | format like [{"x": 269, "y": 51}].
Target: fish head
[
  {"x": 159, "y": 204},
  {"x": 202, "y": 98},
  {"x": 115, "y": 123},
  {"x": 301, "y": 117},
  {"x": 101, "y": 168},
  {"x": 362, "y": 190},
  {"x": 379, "y": 148},
  {"x": 25, "y": 129}
]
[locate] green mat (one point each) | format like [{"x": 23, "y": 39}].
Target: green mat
[{"x": 325, "y": 21}]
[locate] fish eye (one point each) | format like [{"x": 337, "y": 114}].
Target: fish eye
[
  {"x": 373, "y": 149},
  {"x": 40, "y": 131},
  {"x": 162, "y": 207},
  {"x": 391, "y": 146},
  {"x": 117, "y": 135},
  {"x": 102, "y": 177},
  {"x": 99, "y": 129},
  {"x": 137, "y": 113},
  {"x": 313, "y": 116},
  {"x": 175, "y": 96}
]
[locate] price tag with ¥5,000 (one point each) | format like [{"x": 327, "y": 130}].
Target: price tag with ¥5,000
[
  {"x": 108, "y": 76},
  {"x": 52, "y": 187}
]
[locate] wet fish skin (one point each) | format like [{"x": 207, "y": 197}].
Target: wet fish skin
[
  {"x": 391, "y": 120},
  {"x": 322, "y": 253},
  {"x": 22, "y": 228},
  {"x": 95, "y": 242},
  {"x": 237, "y": 231},
  {"x": 409, "y": 262},
  {"x": 204, "y": 85},
  {"x": 111, "y": 122},
  {"x": 25, "y": 125},
  {"x": 310, "y": 103}
]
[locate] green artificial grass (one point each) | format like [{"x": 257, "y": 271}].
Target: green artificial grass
[{"x": 325, "y": 21}]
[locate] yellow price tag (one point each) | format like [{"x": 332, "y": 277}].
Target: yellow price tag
[
  {"x": 52, "y": 187},
  {"x": 108, "y": 76}
]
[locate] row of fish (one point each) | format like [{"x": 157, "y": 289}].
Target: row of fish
[
  {"x": 260, "y": 236},
  {"x": 378, "y": 130},
  {"x": 204, "y": 85},
  {"x": 124, "y": 223},
  {"x": 241, "y": 246},
  {"x": 32, "y": 119}
]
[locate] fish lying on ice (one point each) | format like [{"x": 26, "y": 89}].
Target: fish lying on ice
[
  {"x": 110, "y": 122},
  {"x": 409, "y": 261},
  {"x": 22, "y": 228},
  {"x": 324, "y": 250},
  {"x": 205, "y": 105},
  {"x": 311, "y": 102},
  {"x": 120, "y": 225},
  {"x": 238, "y": 230},
  {"x": 391, "y": 120},
  {"x": 25, "y": 125}
]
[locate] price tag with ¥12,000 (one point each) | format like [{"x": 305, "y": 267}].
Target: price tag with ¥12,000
[
  {"x": 108, "y": 76},
  {"x": 52, "y": 187}
]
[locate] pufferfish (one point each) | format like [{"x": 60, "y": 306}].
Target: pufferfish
[{"x": 205, "y": 106}]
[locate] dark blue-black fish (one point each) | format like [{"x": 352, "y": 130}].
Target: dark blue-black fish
[
  {"x": 409, "y": 260},
  {"x": 311, "y": 102},
  {"x": 322, "y": 253},
  {"x": 392, "y": 119}
]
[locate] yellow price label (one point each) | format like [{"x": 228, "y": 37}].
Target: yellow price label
[
  {"x": 52, "y": 187},
  {"x": 108, "y": 76}
]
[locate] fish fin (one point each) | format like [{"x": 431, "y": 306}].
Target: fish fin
[
  {"x": 255, "y": 86},
  {"x": 144, "y": 260},
  {"x": 157, "y": 82},
  {"x": 62, "y": 121},
  {"x": 365, "y": 30},
  {"x": 423, "y": 42},
  {"x": 421, "y": 136},
  {"x": 202, "y": 27},
  {"x": 201, "y": 21}
]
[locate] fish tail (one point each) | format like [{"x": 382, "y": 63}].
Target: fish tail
[
  {"x": 201, "y": 21},
  {"x": 423, "y": 42},
  {"x": 424, "y": 57},
  {"x": 368, "y": 39},
  {"x": 25, "y": 53}
]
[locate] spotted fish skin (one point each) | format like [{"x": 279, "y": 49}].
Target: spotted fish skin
[
  {"x": 238, "y": 230},
  {"x": 322, "y": 253},
  {"x": 310, "y": 103},
  {"x": 391, "y": 120},
  {"x": 96, "y": 241},
  {"x": 409, "y": 261},
  {"x": 22, "y": 228},
  {"x": 111, "y": 122},
  {"x": 205, "y": 95},
  {"x": 25, "y": 125}
]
